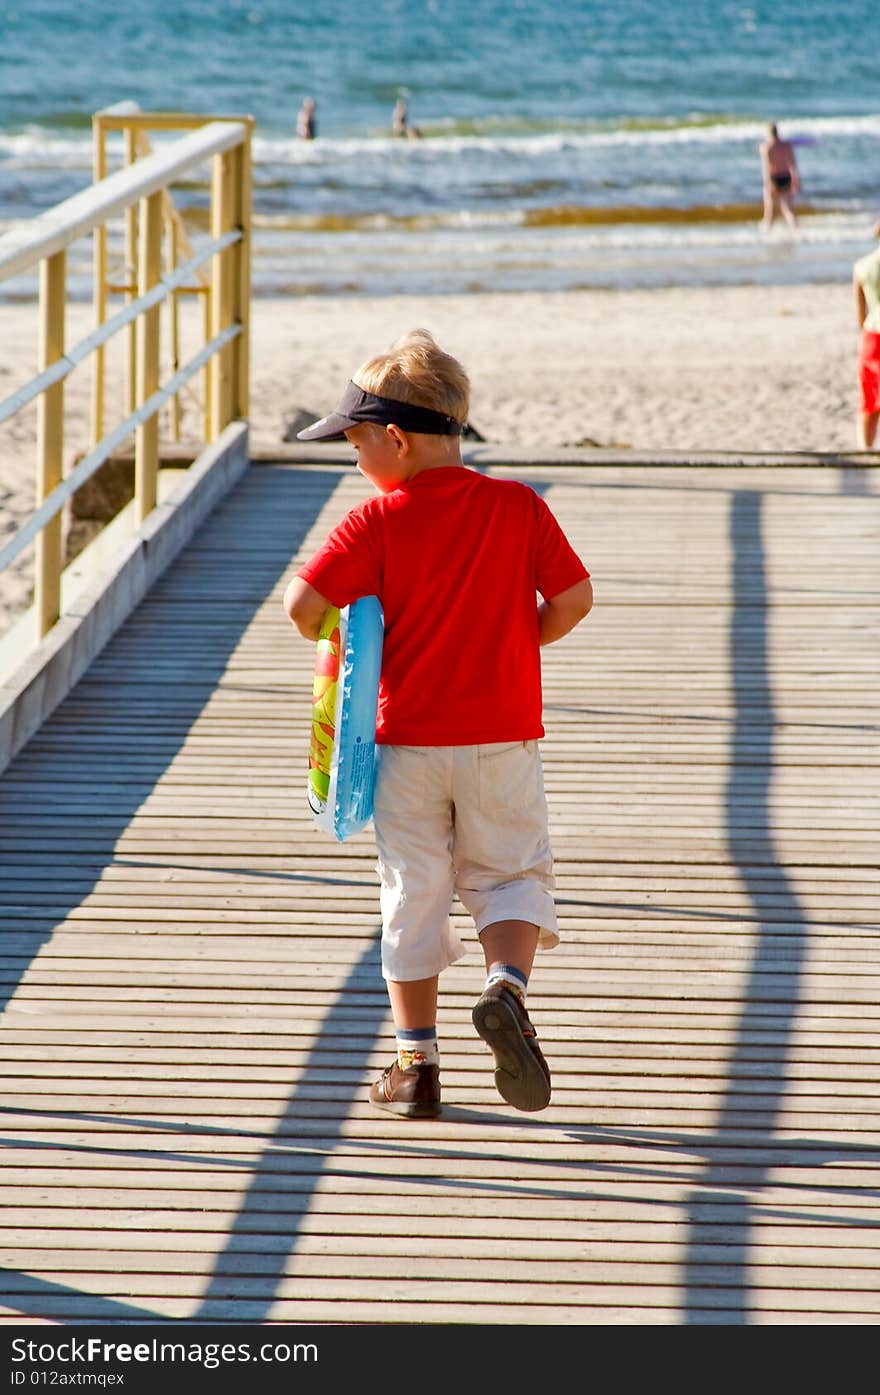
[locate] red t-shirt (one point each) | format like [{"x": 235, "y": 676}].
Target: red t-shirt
[{"x": 455, "y": 558}]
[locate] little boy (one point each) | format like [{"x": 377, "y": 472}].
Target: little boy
[{"x": 457, "y": 559}]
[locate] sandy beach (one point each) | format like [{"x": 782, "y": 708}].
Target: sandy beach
[{"x": 690, "y": 369}]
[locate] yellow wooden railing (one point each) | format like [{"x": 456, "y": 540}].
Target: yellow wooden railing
[
  {"x": 135, "y": 126},
  {"x": 140, "y": 193}
]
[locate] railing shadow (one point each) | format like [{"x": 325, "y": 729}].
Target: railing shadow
[
  {"x": 55, "y": 793},
  {"x": 221, "y": 1288},
  {"x": 47, "y": 800},
  {"x": 236, "y": 1290},
  {"x": 773, "y": 900}
]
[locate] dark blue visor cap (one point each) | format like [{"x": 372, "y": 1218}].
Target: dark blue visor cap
[{"x": 356, "y": 406}]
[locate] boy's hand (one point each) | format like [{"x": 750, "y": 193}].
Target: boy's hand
[
  {"x": 305, "y": 607},
  {"x": 560, "y": 614}
]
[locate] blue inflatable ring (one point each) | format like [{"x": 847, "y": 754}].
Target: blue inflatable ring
[{"x": 345, "y": 695}]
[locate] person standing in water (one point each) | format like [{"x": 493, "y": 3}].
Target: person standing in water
[
  {"x": 400, "y": 121},
  {"x": 399, "y": 118},
  {"x": 305, "y": 121},
  {"x": 780, "y": 178}
]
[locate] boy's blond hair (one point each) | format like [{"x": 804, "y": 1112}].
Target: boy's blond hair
[{"x": 416, "y": 370}]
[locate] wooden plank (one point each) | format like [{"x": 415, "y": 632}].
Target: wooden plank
[{"x": 195, "y": 1000}]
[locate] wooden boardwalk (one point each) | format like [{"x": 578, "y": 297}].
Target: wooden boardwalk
[{"x": 193, "y": 1005}]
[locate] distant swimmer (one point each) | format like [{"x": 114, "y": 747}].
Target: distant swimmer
[
  {"x": 400, "y": 121},
  {"x": 305, "y": 120},
  {"x": 781, "y": 180},
  {"x": 399, "y": 118}
]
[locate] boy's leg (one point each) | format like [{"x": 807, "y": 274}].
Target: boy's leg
[
  {"x": 522, "y": 1076},
  {"x": 413, "y": 826},
  {"x": 410, "y": 1086},
  {"x": 504, "y": 878},
  {"x": 510, "y": 942},
  {"x": 413, "y": 1003}
]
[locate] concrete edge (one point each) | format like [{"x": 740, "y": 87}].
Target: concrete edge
[
  {"x": 496, "y": 454},
  {"x": 30, "y": 694}
]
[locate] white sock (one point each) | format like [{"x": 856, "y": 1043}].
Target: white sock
[
  {"x": 513, "y": 977},
  {"x": 417, "y": 1046}
]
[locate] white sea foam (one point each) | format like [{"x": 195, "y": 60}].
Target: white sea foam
[
  {"x": 43, "y": 146},
  {"x": 275, "y": 148}
]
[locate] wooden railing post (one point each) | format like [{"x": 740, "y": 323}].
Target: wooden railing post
[
  {"x": 50, "y": 441},
  {"x": 222, "y": 289},
  {"x": 146, "y": 447}
]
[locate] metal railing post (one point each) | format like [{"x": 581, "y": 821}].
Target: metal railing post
[
  {"x": 243, "y": 276},
  {"x": 171, "y": 259},
  {"x": 99, "y": 282},
  {"x": 50, "y": 441},
  {"x": 208, "y": 371},
  {"x": 146, "y": 447},
  {"x": 222, "y": 289},
  {"x": 130, "y": 274}
]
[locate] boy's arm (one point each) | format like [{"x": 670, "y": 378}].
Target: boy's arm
[
  {"x": 305, "y": 607},
  {"x": 560, "y": 614}
]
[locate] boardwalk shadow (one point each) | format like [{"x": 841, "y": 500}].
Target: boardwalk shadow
[
  {"x": 772, "y": 990},
  {"x": 63, "y": 811},
  {"x": 778, "y": 915},
  {"x": 743, "y": 1149}
]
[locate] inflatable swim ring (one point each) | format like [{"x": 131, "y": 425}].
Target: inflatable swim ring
[{"x": 345, "y": 695}]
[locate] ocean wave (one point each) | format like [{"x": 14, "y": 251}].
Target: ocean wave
[
  {"x": 35, "y": 145},
  {"x": 735, "y": 130},
  {"x": 46, "y": 144}
]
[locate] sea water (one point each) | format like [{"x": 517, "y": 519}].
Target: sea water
[{"x": 560, "y": 145}]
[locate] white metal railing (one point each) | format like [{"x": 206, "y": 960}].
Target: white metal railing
[{"x": 141, "y": 188}]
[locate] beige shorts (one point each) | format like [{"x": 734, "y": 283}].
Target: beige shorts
[{"x": 469, "y": 821}]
